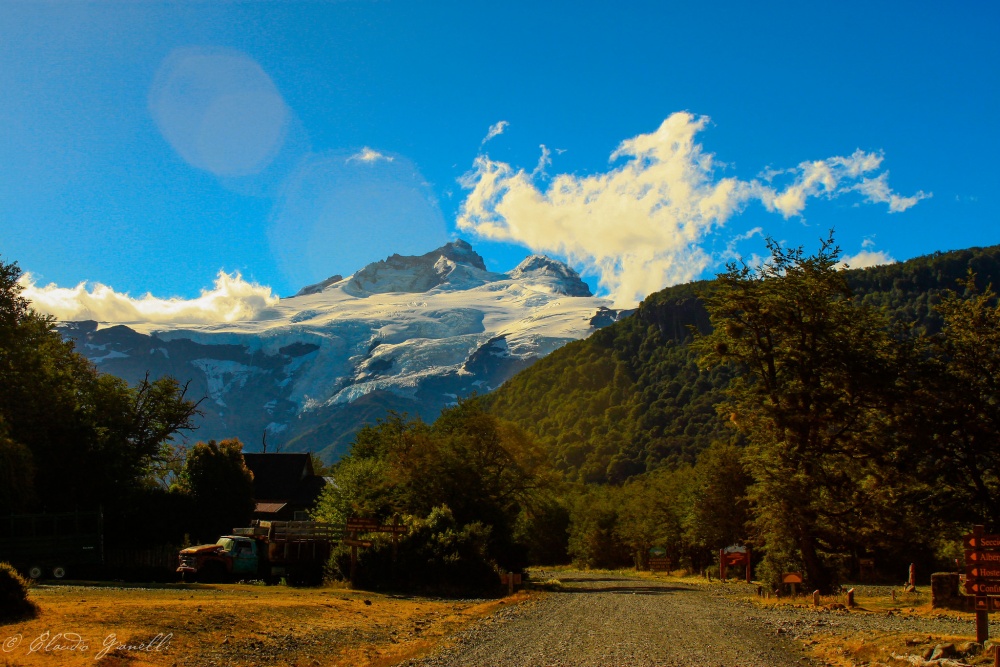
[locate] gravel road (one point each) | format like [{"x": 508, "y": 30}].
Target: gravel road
[{"x": 612, "y": 620}]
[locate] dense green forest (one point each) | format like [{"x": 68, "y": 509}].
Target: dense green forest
[
  {"x": 821, "y": 415},
  {"x": 631, "y": 398}
]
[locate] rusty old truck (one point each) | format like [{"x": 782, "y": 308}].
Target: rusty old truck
[{"x": 267, "y": 551}]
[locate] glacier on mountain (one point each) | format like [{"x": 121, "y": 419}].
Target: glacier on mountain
[{"x": 408, "y": 333}]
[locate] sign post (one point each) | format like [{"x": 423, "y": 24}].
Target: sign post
[
  {"x": 982, "y": 570},
  {"x": 792, "y": 579},
  {"x": 733, "y": 556},
  {"x": 658, "y": 561},
  {"x": 510, "y": 579}
]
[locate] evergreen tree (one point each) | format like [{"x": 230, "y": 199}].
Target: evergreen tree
[{"x": 816, "y": 372}]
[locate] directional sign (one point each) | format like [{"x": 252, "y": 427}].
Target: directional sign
[
  {"x": 659, "y": 564},
  {"x": 357, "y": 543},
  {"x": 359, "y": 524},
  {"x": 983, "y": 572},
  {"x": 980, "y": 542},
  {"x": 985, "y": 557},
  {"x": 974, "y": 587},
  {"x": 399, "y": 530}
]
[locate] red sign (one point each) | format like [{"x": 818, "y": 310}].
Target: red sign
[
  {"x": 987, "y": 604},
  {"x": 978, "y": 587},
  {"x": 980, "y": 542},
  {"x": 982, "y": 557},
  {"x": 983, "y": 571}
]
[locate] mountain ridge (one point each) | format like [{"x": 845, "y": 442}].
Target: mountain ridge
[{"x": 407, "y": 333}]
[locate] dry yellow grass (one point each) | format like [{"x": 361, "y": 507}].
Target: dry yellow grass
[
  {"x": 875, "y": 647},
  {"x": 231, "y": 625}
]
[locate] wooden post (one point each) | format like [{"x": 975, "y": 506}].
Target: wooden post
[
  {"x": 996, "y": 656},
  {"x": 982, "y": 626},
  {"x": 354, "y": 556},
  {"x": 982, "y": 602},
  {"x": 913, "y": 575},
  {"x": 510, "y": 583},
  {"x": 722, "y": 565},
  {"x": 748, "y": 564},
  {"x": 816, "y": 598},
  {"x": 395, "y": 537},
  {"x": 850, "y": 597}
]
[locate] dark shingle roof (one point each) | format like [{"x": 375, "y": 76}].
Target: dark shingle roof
[{"x": 279, "y": 477}]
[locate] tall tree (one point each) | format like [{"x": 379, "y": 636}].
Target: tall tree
[
  {"x": 816, "y": 370},
  {"x": 954, "y": 420},
  {"x": 220, "y": 485},
  {"x": 85, "y": 439}
]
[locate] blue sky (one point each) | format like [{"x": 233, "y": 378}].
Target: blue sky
[{"x": 146, "y": 146}]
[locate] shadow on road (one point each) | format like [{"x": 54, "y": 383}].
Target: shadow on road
[{"x": 625, "y": 590}]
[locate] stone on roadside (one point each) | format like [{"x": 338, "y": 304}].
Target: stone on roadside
[
  {"x": 968, "y": 649},
  {"x": 943, "y": 651}
]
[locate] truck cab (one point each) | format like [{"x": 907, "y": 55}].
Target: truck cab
[{"x": 231, "y": 557}]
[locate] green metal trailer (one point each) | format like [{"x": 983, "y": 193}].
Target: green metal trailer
[{"x": 52, "y": 545}]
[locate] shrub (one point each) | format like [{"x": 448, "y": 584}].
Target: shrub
[
  {"x": 14, "y": 603},
  {"x": 439, "y": 557}
]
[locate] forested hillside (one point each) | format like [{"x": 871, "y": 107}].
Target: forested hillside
[{"x": 631, "y": 398}]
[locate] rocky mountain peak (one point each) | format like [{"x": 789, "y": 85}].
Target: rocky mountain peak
[{"x": 562, "y": 277}]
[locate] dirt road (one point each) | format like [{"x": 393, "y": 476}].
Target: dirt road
[{"x": 609, "y": 620}]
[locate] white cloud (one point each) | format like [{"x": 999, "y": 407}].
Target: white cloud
[
  {"x": 865, "y": 259},
  {"x": 231, "y": 299},
  {"x": 369, "y": 155},
  {"x": 495, "y": 130},
  {"x": 640, "y": 225},
  {"x": 876, "y": 191}
]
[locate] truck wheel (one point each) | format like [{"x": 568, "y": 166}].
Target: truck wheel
[
  {"x": 36, "y": 572},
  {"x": 59, "y": 572}
]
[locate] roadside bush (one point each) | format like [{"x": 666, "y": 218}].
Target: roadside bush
[
  {"x": 14, "y": 603},
  {"x": 439, "y": 557}
]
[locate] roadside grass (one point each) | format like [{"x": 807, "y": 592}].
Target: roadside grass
[{"x": 240, "y": 624}]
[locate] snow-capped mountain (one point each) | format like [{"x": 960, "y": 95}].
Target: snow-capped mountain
[{"x": 408, "y": 333}]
